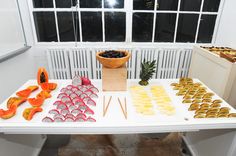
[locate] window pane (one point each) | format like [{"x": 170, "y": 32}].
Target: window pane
[
  {"x": 115, "y": 26},
  {"x": 143, "y": 4},
  {"x": 167, "y": 4},
  {"x": 190, "y": 5},
  {"x": 114, "y": 3},
  {"x": 65, "y": 26},
  {"x": 142, "y": 27},
  {"x": 211, "y": 5},
  {"x": 43, "y": 3},
  {"x": 90, "y": 3},
  {"x": 91, "y": 26},
  {"x": 65, "y": 3},
  {"x": 187, "y": 26},
  {"x": 206, "y": 28},
  {"x": 165, "y": 27},
  {"x": 45, "y": 26}
]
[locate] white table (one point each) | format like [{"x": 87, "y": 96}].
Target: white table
[{"x": 114, "y": 121}]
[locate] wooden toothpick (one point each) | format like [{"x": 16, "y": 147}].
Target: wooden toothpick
[
  {"x": 105, "y": 108},
  {"x": 103, "y": 105},
  {"x": 124, "y": 113}
]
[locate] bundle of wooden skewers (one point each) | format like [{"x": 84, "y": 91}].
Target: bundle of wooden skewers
[{"x": 123, "y": 108}]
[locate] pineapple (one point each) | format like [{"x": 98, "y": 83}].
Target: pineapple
[{"x": 147, "y": 70}]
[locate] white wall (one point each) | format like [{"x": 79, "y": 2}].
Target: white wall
[
  {"x": 16, "y": 71},
  {"x": 12, "y": 37},
  {"x": 21, "y": 145},
  {"x": 226, "y": 35}
]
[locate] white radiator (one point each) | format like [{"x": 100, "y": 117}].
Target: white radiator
[
  {"x": 58, "y": 62},
  {"x": 171, "y": 62}
]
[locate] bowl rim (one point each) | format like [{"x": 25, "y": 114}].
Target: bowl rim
[{"x": 126, "y": 51}]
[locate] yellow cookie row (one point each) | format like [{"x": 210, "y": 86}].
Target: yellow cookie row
[
  {"x": 141, "y": 101},
  {"x": 162, "y": 100}
]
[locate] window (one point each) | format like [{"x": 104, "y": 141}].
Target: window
[
  {"x": 45, "y": 26},
  {"x": 115, "y": 26},
  {"x": 142, "y": 27},
  {"x": 165, "y": 27},
  {"x": 157, "y": 21},
  {"x": 92, "y": 26}
]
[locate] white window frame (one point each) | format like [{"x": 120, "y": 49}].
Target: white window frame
[{"x": 128, "y": 9}]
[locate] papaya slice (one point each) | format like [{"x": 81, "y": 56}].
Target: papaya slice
[
  {"x": 15, "y": 101},
  {"x": 29, "y": 112},
  {"x": 36, "y": 102},
  {"x": 6, "y": 114},
  {"x": 44, "y": 94},
  {"x": 26, "y": 113},
  {"x": 42, "y": 76},
  {"x": 48, "y": 86},
  {"x": 24, "y": 93},
  {"x": 33, "y": 88}
]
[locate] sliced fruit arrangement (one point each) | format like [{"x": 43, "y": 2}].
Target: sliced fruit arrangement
[
  {"x": 200, "y": 100},
  {"x": 74, "y": 102},
  {"x": 42, "y": 76},
  {"x": 29, "y": 112},
  {"x": 162, "y": 100},
  {"x": 44, "y": 94},
  {"x": 145, "y": 98},
  {"x": 46, "y": 86},
  {"x": 37, "y": 102},
  {"x": 141, "y": 100},
  {"x": 14, "y": 102},
  {"x": 23, "y": 95},
  {"x": 6, "y": 114},
  {"x": 26, "y": 92}
]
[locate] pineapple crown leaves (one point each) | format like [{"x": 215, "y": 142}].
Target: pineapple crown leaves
[{"x": 147, "y": 69}]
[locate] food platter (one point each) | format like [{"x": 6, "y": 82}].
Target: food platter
[
  {"x": 224, "y": 52},
  {"x": 114, "y": 121}
]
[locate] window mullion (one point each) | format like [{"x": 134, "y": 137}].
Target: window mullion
[
  {"x": 80, "y": 20},
  {"x": 31, "y": 8},
  {"x": 103, "y": 22},
  {"x": 154, "y": 21},
  {"x": 177, "y": 19},
  {"x": 129, "y": 20},
  {"x": 217, "y": 22},
  {"x": 128, "y": 10},
  {"x": 56, "y": 22},
  {"x": 199, "y": 20}
]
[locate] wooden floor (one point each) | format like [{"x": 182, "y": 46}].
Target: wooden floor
[{"x": 122, "y": 145}]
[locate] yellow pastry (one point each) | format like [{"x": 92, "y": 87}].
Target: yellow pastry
[
  {"x": 211, "y": 116},
  {"x": 200, "y": 115},
  {"x": 232, "y": 115},
  {"x": 200, "y": 111},
  {"x": 215, "y": 105},
  {"x": 217, "y": 101}
]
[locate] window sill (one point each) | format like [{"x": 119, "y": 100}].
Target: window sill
[{"x": 13, "y": 53}]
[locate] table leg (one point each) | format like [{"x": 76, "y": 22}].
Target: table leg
[{"x": 211, "y": 142}]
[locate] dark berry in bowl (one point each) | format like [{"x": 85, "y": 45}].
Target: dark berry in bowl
[{"x": 112, "y": 54}]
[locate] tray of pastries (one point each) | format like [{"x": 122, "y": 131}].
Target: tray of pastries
[
  {"x": 224, "y": 52},
  {"x": 200, "y": 100}
]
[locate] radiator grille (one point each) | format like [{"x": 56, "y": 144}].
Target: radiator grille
[
  {"x": 171, "y": 63},
  {"x": 58, "y": 63}
]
